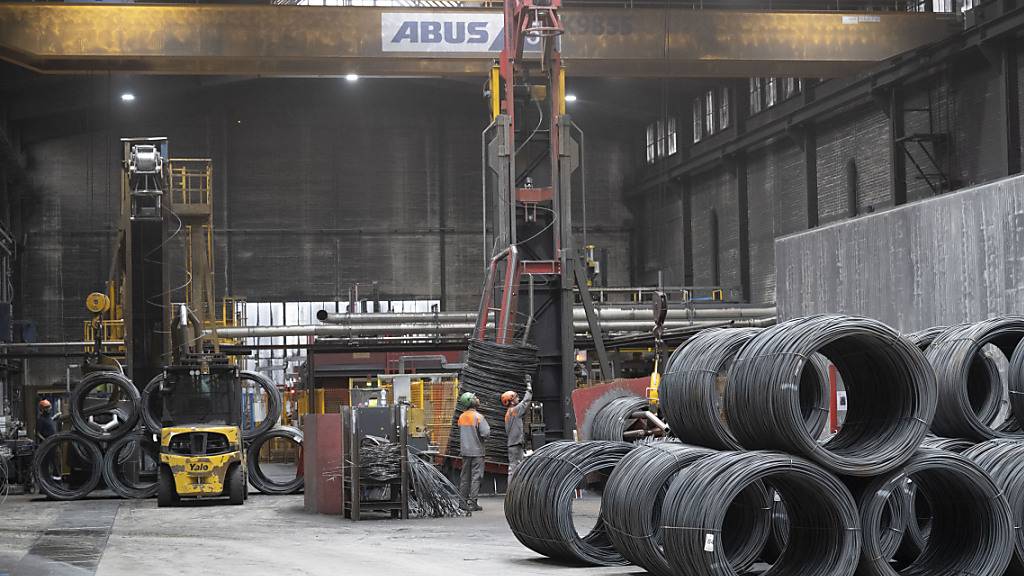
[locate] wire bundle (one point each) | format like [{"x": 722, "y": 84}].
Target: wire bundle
[
  {"x": 824, "y": 536},
  {"x": 380, "y": 460},
  {"x": 538, "y": 502},
  {"x": 105, "y": 406},
  {"x": 956, "y": 445},
  {"x": 132, "y": 451},
  {"x": 889, "y": 383},
  {"x": 83, "y": 457},
  {"x": 616, "y": 417},
  {"x": 433, "y": 495},
  {"x": 631, "y": 508},
  {"x": 490, "y": 370},
  {"x": 1004, "y": 462},
  {"x": 969, "y": 393},
  {"x": 972, "y": 528}
]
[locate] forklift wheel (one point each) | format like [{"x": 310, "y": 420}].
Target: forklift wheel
[
  {"x": 167, "y": 494},
  {"x": 236, "y": 485}
]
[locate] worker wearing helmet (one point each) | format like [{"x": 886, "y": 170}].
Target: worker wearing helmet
[
  {"x": 473, "y": 432},
  {"x": 46, "y": 427},
  {"x": 515, "y": 410}
]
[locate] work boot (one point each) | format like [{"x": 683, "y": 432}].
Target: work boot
[{"x": 475, "y": 507}]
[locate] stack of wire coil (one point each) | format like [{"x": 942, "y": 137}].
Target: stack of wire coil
[
  {"x": 616, "y": 417},
  {"x": 490, "y": 370}
]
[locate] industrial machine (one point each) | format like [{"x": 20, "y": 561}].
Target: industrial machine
[{"x": 201, "y": 450}]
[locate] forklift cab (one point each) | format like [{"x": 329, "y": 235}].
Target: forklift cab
[{"x": 201, "y": 451}]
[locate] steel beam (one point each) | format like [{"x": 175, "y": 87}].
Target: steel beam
[{"x": 272, "y": 40}]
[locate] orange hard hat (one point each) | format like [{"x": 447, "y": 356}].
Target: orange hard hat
[
  {"x": 508, "y": 397},
  {"x": 44, "y": 404}
]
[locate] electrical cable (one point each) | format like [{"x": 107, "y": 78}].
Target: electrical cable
[
  {"x": 131, "y": 449},
  {"x": 632, "y": 500},
  {"x": 969, "y": 394},
  {"x": 888, "y": 381},
  {"x": 490, "y": 370},
  {"x": 84, "y": 458},
  {"x": 1003, "y": 460},
  {"x": 259, "y": 478},
  {"x": 539, "y": 501},
  {"x": 824, "y": 528},
  {"x": 121, "y": 408},
  {"x": 972, "y": 527},
  {"x": 615, "y": 417}
]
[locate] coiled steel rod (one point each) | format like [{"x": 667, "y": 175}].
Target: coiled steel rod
[
  {"x": 891, "y": 390},
  {"x": 824, "y": 538},
  {"x": 1004, "y": 462},
  {"x": 538, "y": 502},
  {"x": 631, "y": 508},
  {"x": 614, "y": 418},
  {"x": 972, "y": 527}
]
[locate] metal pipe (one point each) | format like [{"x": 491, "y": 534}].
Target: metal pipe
[
  {"x": 635, "y": 314},
  {"x": 461, "y": 328},
  {"x": 75, "y": 344}
]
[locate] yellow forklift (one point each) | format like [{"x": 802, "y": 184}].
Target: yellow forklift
[{"x": 201, "y": 449}]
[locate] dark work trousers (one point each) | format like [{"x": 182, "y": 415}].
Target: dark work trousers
[
  {"x": 515, "y": 458},
  {"x": 469, "y": 481}
]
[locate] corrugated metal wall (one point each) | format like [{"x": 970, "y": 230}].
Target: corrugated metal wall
[{"x": 950, "y": 259}]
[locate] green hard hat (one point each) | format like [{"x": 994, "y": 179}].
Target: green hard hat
[{"x": 466, "y": 400}]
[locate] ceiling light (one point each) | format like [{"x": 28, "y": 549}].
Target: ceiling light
[
  {"x": 352, "y": 77},
  {"x": 127, "y": 97},
  {"x": 570, "y": 97}
]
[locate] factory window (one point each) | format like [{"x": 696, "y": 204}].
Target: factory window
[
  {"x": 791, "y": 87},
  {"x": 661, "y": 139},
  {"x": 651, "y": 144},
  {"x": 771, "y": 92},
  {"x": 709, "y": 112},
  {"x": 670, "y": 136},
  {"x": 755, "y": 95},
  {"x": 723, "y": 108},
  {"x": 698, "y": 120}
]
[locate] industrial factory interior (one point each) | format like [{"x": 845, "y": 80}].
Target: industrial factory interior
[{"x": 512, "y": 287}]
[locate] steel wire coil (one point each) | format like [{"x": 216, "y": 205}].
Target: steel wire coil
[
  {"x": 1015, "y": 381},
  {"x": 632, "y": 499},
  {"x": 824, "y": 535},
  {"x": 615, "y": 417},
  {"x": 972, "y": 527},
  {"x": 1003, "y": 460},
  {"x": 696, "y": 375},
  {"x": 490, "y": 370},
  {"x": 111, "y": 414},
  {"x": 275, "y": 404},
  {"x": 969, "y": 393},
  {"x": 258, "y": 476},
  {"x": 150, "y": 405},
  {"x": 539, "y": 500},
  {"x": 134, "y": 449},
  {"x": 84, "y": 458},
  {"x": 956, "y": 445},
  {"x": 924, "y": 338},
  {"x": 889, "y": 384}
]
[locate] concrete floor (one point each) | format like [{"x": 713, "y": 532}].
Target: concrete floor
[{"x": 268, "y": 535}]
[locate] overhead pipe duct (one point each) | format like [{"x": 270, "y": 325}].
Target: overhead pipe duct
[
  {"x": 461, "y": 328},
  {"x": 637, "y": 314}
]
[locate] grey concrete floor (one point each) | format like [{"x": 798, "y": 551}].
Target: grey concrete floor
[{"x": 268, "y": 535}]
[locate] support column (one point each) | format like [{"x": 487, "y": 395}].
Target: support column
[
  {"x": 811, "y": 174},
  {"x": 687, "y": 232},
  {"x": 898, "y": 157},
  {"x": 742, "y": 206},
  {"x": 1011, "y": 98}
]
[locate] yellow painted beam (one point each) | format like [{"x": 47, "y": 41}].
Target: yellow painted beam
[{"x": 308, "y": 41}]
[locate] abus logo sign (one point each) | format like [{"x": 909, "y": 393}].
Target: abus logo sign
[{"x": 442, "y": 32}]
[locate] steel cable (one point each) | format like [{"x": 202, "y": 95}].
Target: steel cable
[
  {"x": 969, "y": 394},
  {"x": 889, "y": 384},
  {"x": 106, "y": 417},
  {"x": 539, "y": 501},
  {"x": 1003, "y": 460},
  {"x": 85, "y": 457},
  {"x": 433, "y": 494},
  {"x": 824, "y": 535},
  {"x": 972, "y": 528},
  {"x": 490, "y": 370},
  {"x": 134, "y": 448},
  {"x": 258, "y": 476},
  {"x": 632, "y": 500},
  {"x": 615, "y": 417},
  {"x": 275, "y": 404}
]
